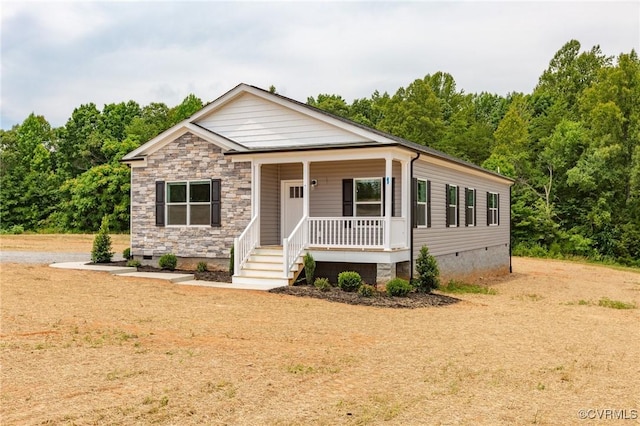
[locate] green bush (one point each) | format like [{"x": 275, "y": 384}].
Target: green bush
[
  {"x": 309, "y": 267},
  {"x": 398, "y": 287},
  {"x": 16, "y": 229},
  {"x": 231, "y": 261},
  {"x": 366, "y": 290},
  {"x": 428, "y": 272},
  {"x": 322, "y": 284},
  {"x": 349, "y": 280},
  {"x": 101, "y": 252},
  {"x": 202, "y": 267},
  {"x": 168, "y": 261},
  {"x": 133, "y": 263},
  {"x": 126, "y": 253}
]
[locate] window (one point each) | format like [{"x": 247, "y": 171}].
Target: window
[
  {"x": 194, "y": 209},
  {"x": 423, "y": 202},
  {"x": 493, "y": 208},
  {"x": 368, "y": 197},
  {"x": 470, "y": 207},
  {"x": 452, "y": 205}
]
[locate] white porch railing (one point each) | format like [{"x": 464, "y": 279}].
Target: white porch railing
[
  {"x": 246, "y": 242},
  {"x": 346, "y": 232},
  {"x": 398, "y": 232},
  {"x": 293, "y": 245}
]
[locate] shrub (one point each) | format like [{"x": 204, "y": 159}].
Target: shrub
[
  {"x": 349, "y": 280},
  {"x": 309, "y": 267},
  {"x": 133, "y": 263},
  {"x": 366, "y": 290},
  {"x": 202, "y": 267},
  {"x": 322, "y": 284},
  {"x": 101, "y": 252},
  {"x": 231, "y": 261},
  {"x": 126, "y": 253},
  {"x": 16, "y": 229},
  {"x": 398, "y": 287},
  {"x": 428, "y": 272},
  {"x": 168, "y": 261}
]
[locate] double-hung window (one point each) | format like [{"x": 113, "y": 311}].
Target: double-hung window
[
  {"x": 423, "y": 203},
  {"x": 470, "y": 207},
  {"x": 189, "y": 203},
  {"x": 452, "y": 205},
  {"x": 493, "y": 208},
  {"x": 368, "y": 197}
]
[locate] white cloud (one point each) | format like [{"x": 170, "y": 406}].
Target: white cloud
[{"x": 57, "y": 56}]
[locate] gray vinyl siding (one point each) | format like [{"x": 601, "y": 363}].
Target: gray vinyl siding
[
  {"x": 272, "y": 175},
  {"x": 258, "y": 123},
  {"x": 269, "y": 205},
  {"x": 326, "y": 197},
  {"x": 442, "y": 240}
]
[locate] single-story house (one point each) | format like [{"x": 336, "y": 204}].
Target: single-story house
[{"x": 274, "y": 178}]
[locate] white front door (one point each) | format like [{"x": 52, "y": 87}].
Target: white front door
[{"x": 292, "y": 196}]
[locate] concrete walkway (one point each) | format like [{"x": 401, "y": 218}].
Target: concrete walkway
[{"x": 183, "y": 279}]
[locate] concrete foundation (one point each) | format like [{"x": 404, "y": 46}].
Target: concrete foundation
[{"x": 473, "y": 265}]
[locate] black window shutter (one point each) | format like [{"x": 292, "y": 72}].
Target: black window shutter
[
  {"x": 393, "y": 197},
  {"x": 447, "y": 202},
  {"x": 466, "y": 207},
  {"x": 347, "y": 197},
  {"x": 458, "y": 206},
  {"x": 216, "y": 205},
  {"x": 414, "y": 202},
  {"x": 488, "y": 211},
  {"x": 428, "y": 204},
  {"x": 160, "y": 203},
  {"x": 498, "y": 206}
]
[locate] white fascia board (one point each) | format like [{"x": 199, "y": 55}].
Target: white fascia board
[
  {"x": 363, "y": 153},
  {"x": 170, "y": 134},
  {"x": 214, "y": 138},
  {"x": 464, "y": 169},
  {"x": 227, "y": 97}
]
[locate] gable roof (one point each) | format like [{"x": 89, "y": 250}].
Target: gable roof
[{"x": 356, "y": 134}]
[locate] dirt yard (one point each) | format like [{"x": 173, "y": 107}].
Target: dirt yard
[{"x": 90, "y": 348}]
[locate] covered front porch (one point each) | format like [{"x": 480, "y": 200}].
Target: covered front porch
[{"x": 338, "y": 204}]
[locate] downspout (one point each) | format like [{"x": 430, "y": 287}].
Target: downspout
[
  {"x": 411, "y": 217},
  {"x": 510, "y": 238}
]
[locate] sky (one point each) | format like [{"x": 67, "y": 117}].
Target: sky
[{"x": 56, "y": 56}]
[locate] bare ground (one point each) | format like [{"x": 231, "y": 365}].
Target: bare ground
[{"x": 83, "y": 347}]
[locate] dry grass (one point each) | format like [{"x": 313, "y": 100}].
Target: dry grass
[
  {"x": 64, "y": 243},
  {"x": 90, "y": 348}
]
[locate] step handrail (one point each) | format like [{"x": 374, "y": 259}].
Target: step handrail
[
  {"x": 244, "y": 244},
  {"x": 293, "y": 245}
]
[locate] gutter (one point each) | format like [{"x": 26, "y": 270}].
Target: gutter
[{"x": 411, "y": 217}]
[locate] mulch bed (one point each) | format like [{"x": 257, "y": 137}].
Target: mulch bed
[
  {"x": 413, "y": 300},
  {"x": 216, "y": 276}
]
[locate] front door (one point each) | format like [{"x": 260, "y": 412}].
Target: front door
[{"x": 292, "y": 196}]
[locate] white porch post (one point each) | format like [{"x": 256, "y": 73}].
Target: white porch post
[
  {"x": 256, "y": 184},
  {"x": 388, "y": 182},
  {"x": 306, "y": 199}
]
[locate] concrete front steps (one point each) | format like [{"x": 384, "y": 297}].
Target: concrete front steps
[{"x": 264, "y": 269}]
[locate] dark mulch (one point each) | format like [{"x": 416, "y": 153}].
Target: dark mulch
[
  {"x": 413, "y": 300},
  {"x": 217, "y": 276}
]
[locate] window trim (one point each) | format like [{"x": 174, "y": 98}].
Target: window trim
[
  {"x": 470, "y": 216},
  {"x": 493, "y": 219},
  {"x": 453, "y": 222},
  {"x": 187, "y": 203},
  {"x": 426, "y": 203},
  {"x": 355, "y": 197}
]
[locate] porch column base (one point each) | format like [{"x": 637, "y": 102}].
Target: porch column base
[{"x": 385, "y": 272}]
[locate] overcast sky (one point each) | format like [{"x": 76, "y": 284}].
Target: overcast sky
[{"x": 56, "y": 56}]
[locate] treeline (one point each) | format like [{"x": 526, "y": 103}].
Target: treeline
[
  {"x": 69, "y": 178},
  {"x": 572, "y": 146}
]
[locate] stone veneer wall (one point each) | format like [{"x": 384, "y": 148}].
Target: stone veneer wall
[{"x": 189, "y": 158}]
